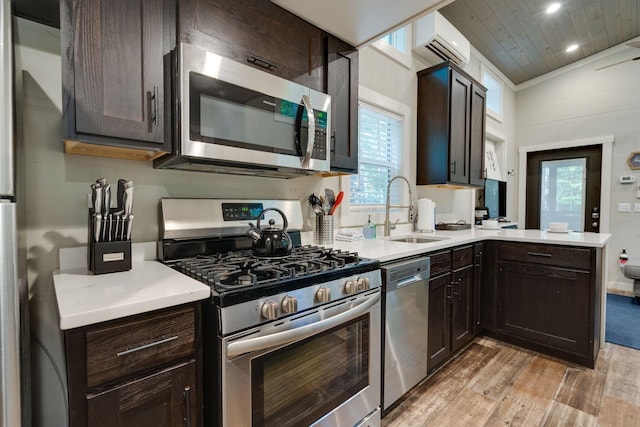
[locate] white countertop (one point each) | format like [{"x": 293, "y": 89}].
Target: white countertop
[
  {"x": 85, "y": 299},
  {"x": 384, "y": 249}
]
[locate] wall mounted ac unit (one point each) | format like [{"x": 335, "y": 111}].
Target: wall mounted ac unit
[{"x": 435, "y": 39}]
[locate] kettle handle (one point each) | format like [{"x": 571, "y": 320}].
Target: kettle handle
[{"x": 284, "y": 218}]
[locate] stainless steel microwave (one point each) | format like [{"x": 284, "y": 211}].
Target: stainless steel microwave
[{"x": 234, "y": 118}]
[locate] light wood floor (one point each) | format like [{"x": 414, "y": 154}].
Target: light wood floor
[{"x": 495, "y": 384}]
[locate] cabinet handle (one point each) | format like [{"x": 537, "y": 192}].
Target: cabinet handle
[
  {"x": 456, "y": 292},
  {"x": 261, "y": 63},
  {"x": 449, "y": 286},
  {"x": 453, "y": 168},
  {"x": 146, "y": 346},
  {"x": 153, "y": 114},
  {"x": 187, "y": 406},
  {"x": 539, "y": 254}
]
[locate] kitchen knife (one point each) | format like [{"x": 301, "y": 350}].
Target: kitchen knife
[
  {"x": 128, "y": 199},
  {"x": 106, "y": 202},
  {"x": 120, "y": 196},
  {"x": 97, "y": 225},
  {"x": 96, "y": 198},
  {"x": 129, "y": 225}
]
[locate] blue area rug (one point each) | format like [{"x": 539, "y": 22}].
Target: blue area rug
[{"x": 623, "y": 321}]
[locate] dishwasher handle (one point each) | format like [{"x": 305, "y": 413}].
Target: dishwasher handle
[
  {"x": 411, "y": 280},
  {"x": 406, "y": 272}
]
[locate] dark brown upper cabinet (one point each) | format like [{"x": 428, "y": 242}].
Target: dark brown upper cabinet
[
  {"x": 257, "y": 33},
  {"x": 341, "y": 77},
  {"x": 268, "y": 37},
  {"x": 451, "y": 127},
  {"x": 115, "y": 92}
]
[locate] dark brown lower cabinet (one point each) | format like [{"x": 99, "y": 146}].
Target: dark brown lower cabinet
[
  {"x": 547, "y": 298},
  {"x": 167, "y": 398},
  {"x": 451, "y": 295},
  {"x": 141, "y": 370}
]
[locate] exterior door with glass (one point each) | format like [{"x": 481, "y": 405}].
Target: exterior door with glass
[{"x": 564, "y": 186}]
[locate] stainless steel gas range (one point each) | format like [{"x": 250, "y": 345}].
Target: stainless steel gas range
[{"x": 288, "y": 341}]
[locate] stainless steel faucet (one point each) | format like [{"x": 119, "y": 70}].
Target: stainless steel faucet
[{"x": 387, "y": 224}]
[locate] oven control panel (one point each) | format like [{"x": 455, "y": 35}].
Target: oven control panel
[
  {"x": 252, "y": 313},
  {"x": 241, "y": 211}
]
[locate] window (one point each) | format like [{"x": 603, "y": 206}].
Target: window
[
  {"x": 397, "y": 39},
  {"x": 494, "y": 93},
  {"x": 380, "y": 156},
  {"x": 396, "y": 46}
]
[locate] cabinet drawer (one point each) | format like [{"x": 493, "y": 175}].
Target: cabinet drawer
[
  {"x": 561, "y": 256},
  {"x": 462, "y": 257},
  {"x": 126, "y": 347},
  {"x": 440, "y": 263}
]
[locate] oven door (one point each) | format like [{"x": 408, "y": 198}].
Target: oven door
[
  {"x": 321, "y": 368},
  {"x": 236, "y": 113}
]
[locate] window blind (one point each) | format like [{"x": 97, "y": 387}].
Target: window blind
[{"x": 379, "y": 155}]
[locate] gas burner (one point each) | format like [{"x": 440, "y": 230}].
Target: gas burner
[{"x": 241, "y": 269}]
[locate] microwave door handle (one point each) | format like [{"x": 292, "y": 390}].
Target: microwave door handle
[
  {"x": 311, "y": 131},
  {"x": 239, "y": 347}
]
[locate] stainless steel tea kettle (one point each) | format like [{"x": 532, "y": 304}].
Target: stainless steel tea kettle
[{"x": 271, "y": 241}]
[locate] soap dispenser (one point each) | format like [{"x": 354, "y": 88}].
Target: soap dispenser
[{"x": 369, "y": 229}]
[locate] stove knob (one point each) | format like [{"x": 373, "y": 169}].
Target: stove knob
[
  {"x": 363, "y": 284},
  {"x": 289, "y": 304},
  {"x": 323, "y": 295},
  {"x": 270, "y": 310},
  {"x": 350, "y": 287}
]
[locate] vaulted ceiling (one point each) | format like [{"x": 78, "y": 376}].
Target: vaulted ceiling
[{"x": 524, "y": 42}]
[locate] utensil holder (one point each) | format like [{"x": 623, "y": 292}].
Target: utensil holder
[
  {"x": 107, "y": 257},
  {"x": 324, "y": 229}
]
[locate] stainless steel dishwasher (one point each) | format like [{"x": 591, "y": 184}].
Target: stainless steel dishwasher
[{"x": 405, "y": 284}]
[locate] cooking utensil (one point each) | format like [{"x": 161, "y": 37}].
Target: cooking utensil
[
  {"x": 329, "y": 200},
  {"x": 316, "y": 204},
  {"x": 337, "y": 202},
  {"x": 272, "y": 241}
]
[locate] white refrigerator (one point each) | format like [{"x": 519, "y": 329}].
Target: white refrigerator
[{"x": 10, "y": 277}]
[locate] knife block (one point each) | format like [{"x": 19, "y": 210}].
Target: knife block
[{"x": 107, "y": 257}]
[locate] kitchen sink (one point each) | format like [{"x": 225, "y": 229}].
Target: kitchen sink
[{"x": 412, "y": 239}]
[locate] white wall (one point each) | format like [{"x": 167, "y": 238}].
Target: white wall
[{"x": 584, "y": 103}]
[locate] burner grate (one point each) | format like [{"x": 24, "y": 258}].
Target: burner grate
[{"x": 240, "y": 269}]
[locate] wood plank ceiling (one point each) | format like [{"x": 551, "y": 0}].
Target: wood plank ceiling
[{"x": 524, "y": 42}]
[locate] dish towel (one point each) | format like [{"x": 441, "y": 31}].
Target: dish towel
[{"x": 349, "y": 235}]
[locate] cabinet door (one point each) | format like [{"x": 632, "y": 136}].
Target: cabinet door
[
  {"x": 439, "y": 328},
  {"x": 461, "y": 307},
  {"x": 167, "y": 398},
  {"x": 477, "y": 172},
  {"x": 459, "y": 128},
  {"x": 545, "y": 304},
  {"x": 118, "y": 66},
  {"x": 478, "y": 305},
  {"x": 258, "y": 33},
  {"x": 342, "y": 84}
]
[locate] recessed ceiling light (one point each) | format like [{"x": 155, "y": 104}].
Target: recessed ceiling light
[
  {"x": 572, "y": 47},
  {"x": 553, "y": 7}
]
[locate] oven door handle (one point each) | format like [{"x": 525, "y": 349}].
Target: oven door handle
[{"x": 261, "y": 343}]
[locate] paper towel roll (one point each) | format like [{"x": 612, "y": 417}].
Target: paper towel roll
[{"x": 426, "y": 215}]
